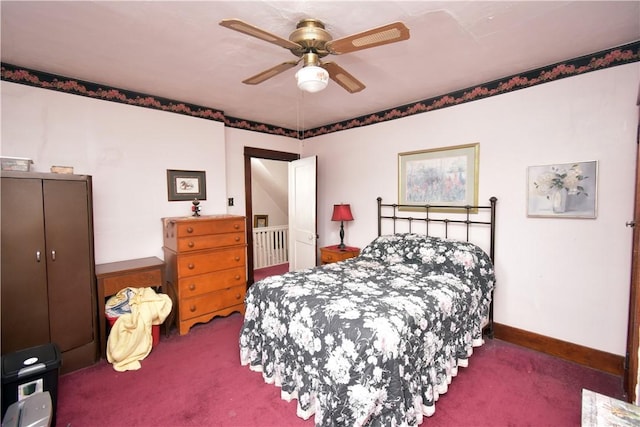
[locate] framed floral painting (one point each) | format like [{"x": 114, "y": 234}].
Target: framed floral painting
[
  {"x": 566, "y": 190},
  {"x": 442, "y": 178}
]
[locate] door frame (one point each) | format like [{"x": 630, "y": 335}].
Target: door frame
[
  {"x": 258, "y": 153},
  {"x": 633, "y": 326}
]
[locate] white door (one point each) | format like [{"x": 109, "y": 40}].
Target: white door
[{"x": 302, "y": 213}]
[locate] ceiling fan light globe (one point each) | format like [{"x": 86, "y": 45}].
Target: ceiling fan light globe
[{"x": 312, "y": 78}]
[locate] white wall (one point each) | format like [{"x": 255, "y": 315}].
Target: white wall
[
  {"x": 127, "y": 150},
  {"x": 563, "y": 278},
  {"x": 269, "y": 190},
  {"x": 236, "y": 141}
]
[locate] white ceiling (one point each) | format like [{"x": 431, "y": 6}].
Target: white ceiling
[{"x": 177, "y": 50}]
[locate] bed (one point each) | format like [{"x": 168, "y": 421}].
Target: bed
[{"x": 376, "y": 339}]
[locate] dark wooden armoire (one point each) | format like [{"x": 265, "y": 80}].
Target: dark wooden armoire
[{"x": 47, "y": 272}]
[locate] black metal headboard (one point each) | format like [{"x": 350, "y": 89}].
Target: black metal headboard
[
  {"x": 427, "y": 214},
  {"x": 460, "y": 215}
]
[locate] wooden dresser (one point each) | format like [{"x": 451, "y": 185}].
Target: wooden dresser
[{"x": 205, "y": 259}]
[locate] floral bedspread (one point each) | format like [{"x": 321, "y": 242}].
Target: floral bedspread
[{"x": 372, "y": 340}]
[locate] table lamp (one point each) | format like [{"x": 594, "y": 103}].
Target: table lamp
[{"x": 341, "y": 213}]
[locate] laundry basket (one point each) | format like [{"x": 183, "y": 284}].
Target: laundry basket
[{"x": 118, "y": 305}]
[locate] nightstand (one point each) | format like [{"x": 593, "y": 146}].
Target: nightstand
[
  {"x": 135, "y": 273},
  {"x": 330, "y": 254}
]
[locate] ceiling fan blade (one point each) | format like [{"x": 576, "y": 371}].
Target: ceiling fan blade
[
  {"x": 267, "y": 74},
  {"x": 343, "y": 78},
  {"x": 389, "y": 33},
  {"x": 251, "y": 30}
]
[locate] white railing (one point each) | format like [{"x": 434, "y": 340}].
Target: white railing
[{"x": 270, "y": 246}]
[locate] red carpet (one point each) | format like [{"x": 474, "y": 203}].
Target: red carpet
[
  {"x": 261, "y": 273},
  {"x": 197, "y": 380}
]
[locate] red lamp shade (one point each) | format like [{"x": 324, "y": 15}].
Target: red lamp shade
[{"x": 342, "y": 213}]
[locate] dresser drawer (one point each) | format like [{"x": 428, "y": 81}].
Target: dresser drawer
[
  {"x": 207, "y": 303},
  {"x": 327, "y": 258},
  {"x": 142, "y": 279},
  {"x": 331, "y": 254},
  {"x": 201, "y": 227},
  {"x": 209, "y": 282},
  {"x": 192, "y": 264},
  {"x": 194, "y": 243}
]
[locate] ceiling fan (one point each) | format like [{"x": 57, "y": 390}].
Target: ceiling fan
[{"x": 310, "y": 42}]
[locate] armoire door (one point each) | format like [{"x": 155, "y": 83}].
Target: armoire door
[
  {"x": 23, "y": 272},
  {"x": 69, "y": 263}
]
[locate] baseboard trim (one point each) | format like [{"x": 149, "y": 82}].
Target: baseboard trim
[{"x": 596, "y": 359}]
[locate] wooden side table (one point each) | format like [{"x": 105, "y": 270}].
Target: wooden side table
[
  {"x": 330, "y": 254},
  {"x": 115, "y": 276}
]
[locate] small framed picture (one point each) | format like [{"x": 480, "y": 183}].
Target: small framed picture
[
  {"x": 186, "y": 185},
  {"x": 260, "y": 221},
  {"x": 563, "y": 190}
]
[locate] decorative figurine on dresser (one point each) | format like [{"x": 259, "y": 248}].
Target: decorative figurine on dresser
[
  {"x": 196, "y": 207},
  {"x": 205, "y": 259}
]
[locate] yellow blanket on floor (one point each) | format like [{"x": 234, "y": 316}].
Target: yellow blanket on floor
[{"x": 130, "y": 340}]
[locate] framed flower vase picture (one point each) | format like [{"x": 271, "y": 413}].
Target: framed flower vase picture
[
  {"x": 186, "y": 185},
  {"x": 565, "y": 190}
]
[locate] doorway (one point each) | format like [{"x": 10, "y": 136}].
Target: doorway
[{"x": 257, "y": 153}]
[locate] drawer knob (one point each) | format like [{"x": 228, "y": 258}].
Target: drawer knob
[
  {"x": 237, "y": 238},
  {"x": 237, "y": 277},
  {"x": 236, "y": 226},
  {"x": 192, "y": 308},
  {"x": 238, "y": 296},
  {"x": 191, "y": 244},
  {"x": 192, "y": 287},
  {"x": 189, "y": 229},
  {"x": 191, "y": 266},
  {"x": 237, "y": 258}
]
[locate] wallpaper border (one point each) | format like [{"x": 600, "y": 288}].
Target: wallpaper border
[
  {"x": 597, "y": 61},
  {"x": 43, "y": 80}
]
